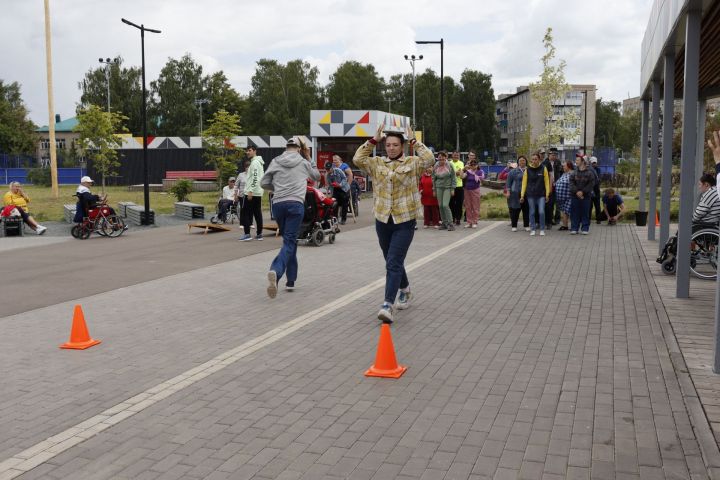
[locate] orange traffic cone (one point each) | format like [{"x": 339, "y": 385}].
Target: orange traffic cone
[
  {"x": 385, "y": 362},
  {"x": 657, "y": 220},
  {"x": 79, "y": 335}
]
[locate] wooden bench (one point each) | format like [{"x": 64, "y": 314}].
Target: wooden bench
[
  {"x": 69, "y": 212},
  {"x": 191, "y": 174},
  {"x": 189, "y": 210}
]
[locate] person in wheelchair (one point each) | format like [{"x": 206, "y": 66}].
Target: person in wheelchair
[
  {"x": 227, "y": 200},
  {"x": 87, "y": 200},
  {"x": 339, "y": 188},
  {"x": 707, "y": 211}
]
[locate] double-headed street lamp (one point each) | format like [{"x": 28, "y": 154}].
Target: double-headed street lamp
[
  {"x": 108, "y": 64},
  {"x": 146, "y": 220},
  {"x": 412, "y": 59},
  {"x": 199, "y": 102},
  {"x": 442, "y": 87}
]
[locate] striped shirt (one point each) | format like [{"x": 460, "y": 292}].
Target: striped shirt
[
  {"x": 708, "y": 208},
  {"x": 395, "y": 182}
]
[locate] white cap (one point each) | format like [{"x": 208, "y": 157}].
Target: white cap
[
  {"x": 593, "y": 159},
  {"x": 86, "y": 179}
]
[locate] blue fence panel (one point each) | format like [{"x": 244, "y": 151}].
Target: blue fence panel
[
  {"x": 70, "y": 176},
  {"x": 66, "y": 176},
  {"x": 8, "y": 175}
]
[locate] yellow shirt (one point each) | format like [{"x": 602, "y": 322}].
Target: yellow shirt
[
  {"x": 395, "y": 182},
  {"x": 457, "y": 166},
  {"x": 17, "y": 200}
]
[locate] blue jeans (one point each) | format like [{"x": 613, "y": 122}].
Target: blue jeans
[
  {"x": 395, "y": 240},
  {"x": 289, "y": 216},
  {"x": 580, "y": 213},
  {"x": 536, "y": 203}
]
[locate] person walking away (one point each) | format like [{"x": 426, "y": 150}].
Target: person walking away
[
  {"x": 395, "y": 207},
  {"x": 287, "y": 178},
  {"x": 582, "y": 182},
  {"x": 473, "y": 177},
  {"x": 456, "y": 202},
  {"x": 339, "y": 188},
  {"x": 16, "y": 197},
  {"x": 536, "y": 191},
  {"x": 595, "y": 199},
  {"x": 613, "y": 205},
  {"x": 563, "y": 198},
  {"x": 513, "y": 187},
  {"x": 431, "y": 212},
  {"x": 443, "y": 178},
  {"x": 253, "y": 195}
]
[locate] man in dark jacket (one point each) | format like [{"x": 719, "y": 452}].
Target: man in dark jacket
[
  {"x": 596, "y": 192},
  {"x": 582, "y": 183},
  {"x": 557, "y": 167}
]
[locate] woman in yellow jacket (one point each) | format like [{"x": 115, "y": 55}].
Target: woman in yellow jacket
[{"x": 17, "y": 198}]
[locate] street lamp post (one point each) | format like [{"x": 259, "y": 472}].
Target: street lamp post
[
  {"x": 146, "y": 189},
  {"x": 441, "y": 42},
  {"x": 412, "y": 59},
  {"x": 199, "y": 102},
  {"x": 108, "y": 63}
]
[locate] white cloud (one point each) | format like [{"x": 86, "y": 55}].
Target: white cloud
[{"x": 599, "y": 40}]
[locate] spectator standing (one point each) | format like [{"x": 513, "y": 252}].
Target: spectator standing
[
  {"x": 431, "y": 212},
  {"x": 536, "y": 191},
  {"x": 456, "y": 202},
  {"x": 550, "y": 207},
  {"x": 17, "y": 198},
  {"x": 339, "y": 188},
  {"x": 473, "y": 179},
  {"x": 613, "y": 205},
  {"x": 395, "y": 206},
  {"x": 513, "y": 187},
  {"x": 253, "y": 195},
  {"x": 443, "y": 178},
  {"x": 338, "y": 163},
  {"x": 582, "y": 183},
  {"x": 558, "y": 171},
  {"x": 562, "y": 194},
  {"x": 595, "y": 202},
  {"x": 287, "y": 178}
]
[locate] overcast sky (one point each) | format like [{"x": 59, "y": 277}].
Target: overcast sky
[{"x": 600, "y": 40}]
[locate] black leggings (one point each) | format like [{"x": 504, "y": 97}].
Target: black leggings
[
  {"x": 252, "y": 208},
  {"x": 515, "y": 215}
]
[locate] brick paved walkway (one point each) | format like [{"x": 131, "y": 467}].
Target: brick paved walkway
[{"x": 528, "y": 358}]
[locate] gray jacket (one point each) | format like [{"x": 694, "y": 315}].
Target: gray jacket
[
  {"x": 513, "y": 184},
  {"x": 287, "y": 177},
  {"x": 583, "y": 180}
]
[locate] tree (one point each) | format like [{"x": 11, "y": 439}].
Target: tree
[
  {"x": 219, "y": 151},
  {"x": 427, "y": 106},
  {"x": 281, "y": 97},
  {"x": 221, "y": 96},
  {"x": 17, "y": 132},
  {"x": 125, "y": 92},
  {"x": 173, "y": 94},
  {"x": 551, "y": 88},
  {"x": 476, "y": 101},
  {"x": 354, "y": 86},
  {"x": 628, "y": 137},
  {"x": 607, "y": 123},
  {"x": 98, "y": 139}
]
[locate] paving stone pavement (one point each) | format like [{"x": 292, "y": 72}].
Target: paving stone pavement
[{"x": 519, "y": 367}]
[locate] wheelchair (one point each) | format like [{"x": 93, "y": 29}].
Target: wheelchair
[
  {"x": 703, "y": 252},
  {"x": 100, "y": 220},
  {"x": 232, "y": 214}
]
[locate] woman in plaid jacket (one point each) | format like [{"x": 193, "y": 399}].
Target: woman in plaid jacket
[{"x": 562, "y": 193}]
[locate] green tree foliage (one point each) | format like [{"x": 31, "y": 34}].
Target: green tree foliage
[
  {"x": 98, "y": 139},
  {"x": 354, "y": 86},
  {"x": 221, "y": 96},
  {"x": 397, "y": 96},
  {"x": 219, "y": 151},
  {"x": 607, "y": 123},
  {"x": 477, "y": 99},
  {"x": 628, "y": 136},
  {"x": 172, "y": 106},
  {"x": 17, "y": 132},
  {"x": 427, "y": 107},
  {"x": 281, "y": 98},
  {"x": 552, "y": 87},
  {"x": 125, "y": 92}
]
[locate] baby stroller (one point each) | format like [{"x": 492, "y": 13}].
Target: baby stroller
[
  {"x": 320, "y": 218},
  {"x": 703, "y": 252}
]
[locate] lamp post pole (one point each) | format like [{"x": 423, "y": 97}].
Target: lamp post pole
[
  {"x": 146, "y": 189},
  {"x": 441, "y": 42},
  {"x": 108, "y": 63},
  {"x": 412, "y": 59},
  {"x": 199, "y": 102}
]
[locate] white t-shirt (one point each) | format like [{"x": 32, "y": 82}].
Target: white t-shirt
[{"x": 228, "y": 193}]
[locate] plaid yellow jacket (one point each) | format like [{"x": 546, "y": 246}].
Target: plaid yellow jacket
[{"x": 395, "y": 182}]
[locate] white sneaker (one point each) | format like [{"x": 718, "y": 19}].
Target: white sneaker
[
  {"x": 573, "y": 232},
  {"x": 272, "y": 284},
  {"x": 403, "y": 300},
  {"x": 542, "y": 233},
  {"x": 584, "y": 232},
  {"x": 468, "y": 225},
  {"x": 532, "y": 233},
  {"x": 40, "y": 229},
  {"x": 514, "y": 229},
  {"x": 474, "y": 225},
  {"x": 527, "y": 229},
  {"x": 385, "y": 314}
]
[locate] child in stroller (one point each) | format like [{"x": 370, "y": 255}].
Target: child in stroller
[{"x": 320, "y": 218}]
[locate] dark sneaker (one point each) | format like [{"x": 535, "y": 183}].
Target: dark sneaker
[
  {"x": 442, "y": 227},
  {"x": 245, "y": 238},
  {"x": 385, "y": 314},
  {"x": 290, "y": 286},
  {"x": 403, "y": 300},
  {"x": 451, "y": 227},
  {"x": 259, "y": 237},
  {"x": 272, "y": 284}
]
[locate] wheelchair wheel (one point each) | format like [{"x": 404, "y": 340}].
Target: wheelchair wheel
[
  {"x": 668, "y": 266},
  {"x": 112, "y": 226},
  {"x": 317, "y": 237},
  {"x": 331, "y": 238},
  {"x": 81, "y": 231},
  {"x": 704, "y": 256},
  {"x": 76, "y": 231}
]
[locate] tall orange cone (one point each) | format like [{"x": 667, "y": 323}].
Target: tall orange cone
[
  {"x": 79, "y": 335},
  {"x": 385, "y": 362},
  {"x": 657, "y": 219}
]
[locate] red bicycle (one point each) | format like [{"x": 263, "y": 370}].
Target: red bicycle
[{"x": 102, "y": 220}]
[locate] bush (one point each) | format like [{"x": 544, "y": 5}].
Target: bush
[
  {"x": 39, "y": 176},
  {"x": 182, "y": 189}
]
